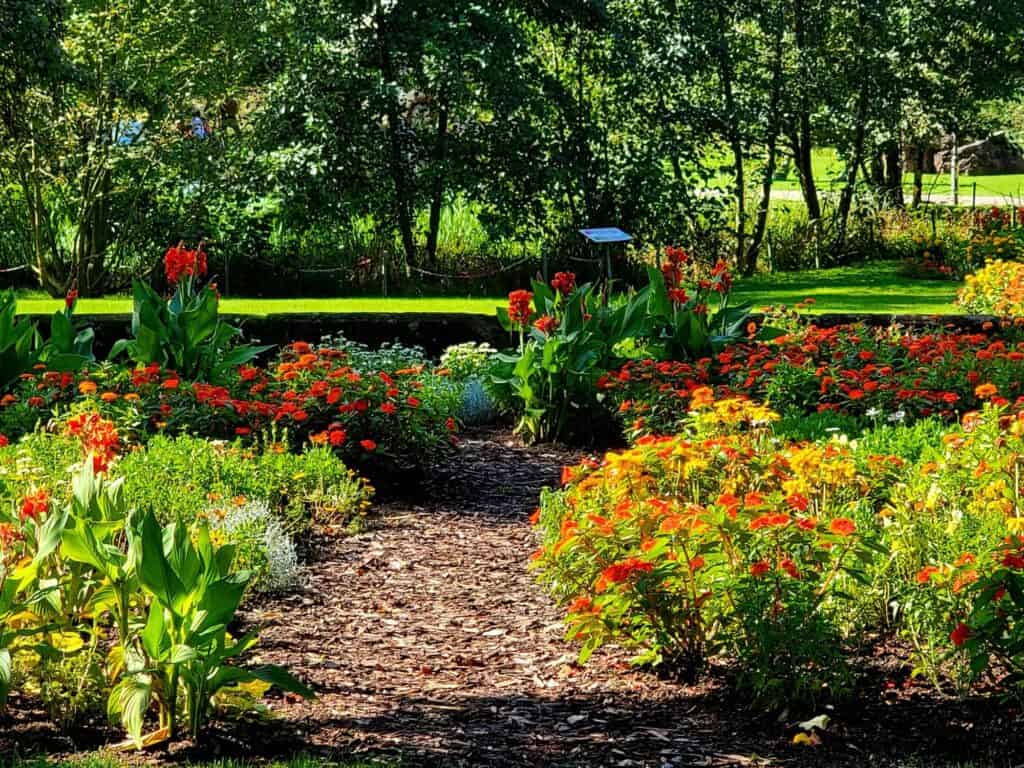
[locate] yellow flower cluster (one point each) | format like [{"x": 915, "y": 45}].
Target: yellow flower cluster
[{"x": 995, "y": 289}]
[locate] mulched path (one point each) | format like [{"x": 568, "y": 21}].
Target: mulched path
[{"x": 429, "y": 643}]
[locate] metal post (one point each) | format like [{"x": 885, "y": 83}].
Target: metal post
[{"x": 974, "y": 195}]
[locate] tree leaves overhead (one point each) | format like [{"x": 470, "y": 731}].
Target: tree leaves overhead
[{"x": 374, "y": 116}]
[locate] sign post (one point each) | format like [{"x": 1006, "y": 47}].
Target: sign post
[{"x": 606, "y": 236}]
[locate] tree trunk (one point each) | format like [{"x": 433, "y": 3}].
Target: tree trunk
[
  {"x": 918, "y": 175},
  {"x": 803, "y": 142},
  {"x": 855, "y": 160},
  {"x": 731, "y": 121},
  {"x": 803, "y": 154},
  {"x": 894, "y": 173},
  {"x": 398, "y": 169},
  {"x": 437, "y": 193},
  {"x": 749, "y": 264}
]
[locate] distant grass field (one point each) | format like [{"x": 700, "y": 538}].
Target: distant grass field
[
  {"x": 876, "y": 287},
  {"x": 829, "y": 170},
  {"x": 829, "y": 175}
]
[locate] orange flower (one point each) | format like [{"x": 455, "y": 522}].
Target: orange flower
[
  {"x": 842, "y": 526},
  {"x": 87, "y": 387},
  {"x": 702, "y": 397},
  {"x": 984, "y": 391},
  {"x": 925, "y": 574}
]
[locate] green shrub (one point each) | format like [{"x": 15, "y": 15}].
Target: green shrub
[{"x": 311, "y": 487}]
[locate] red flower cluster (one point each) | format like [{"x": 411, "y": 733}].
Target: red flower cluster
[
  {"x": 519, "y": 307},
  {"x": 546, "y": 324},
  {"x": 672, "y": 267},
  {"x": 564, "y": 282},
  {"x": 180, "y": 262},
  {"x": 848, "y": 369}
]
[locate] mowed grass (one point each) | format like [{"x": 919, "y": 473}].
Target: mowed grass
[
  {"x": 876, "y": 288},
  {"x": 37, "y": 304},
  {"x": 871, "y": 288}
]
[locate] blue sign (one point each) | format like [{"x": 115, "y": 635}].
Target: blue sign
[{"x": 606, "y": 235}]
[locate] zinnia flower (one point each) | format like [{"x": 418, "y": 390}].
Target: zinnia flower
[{"x": 842, "y": 526}]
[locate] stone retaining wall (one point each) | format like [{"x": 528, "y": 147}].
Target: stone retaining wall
[{"x": 435, "y": 332}]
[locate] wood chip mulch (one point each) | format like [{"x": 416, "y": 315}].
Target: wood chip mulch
[{"x": 430, "y": 644}]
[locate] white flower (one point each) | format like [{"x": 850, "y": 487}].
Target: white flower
[
  {"x": 897, "y": 416},
  {"x": 873, "y": 413}
]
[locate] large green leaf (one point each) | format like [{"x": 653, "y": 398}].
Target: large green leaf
[
  {"x": 152, "y": 566},
  {"x": 129, "y": 700}
]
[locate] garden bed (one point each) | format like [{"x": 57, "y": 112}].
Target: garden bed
[{"x": 428, "y": 643}]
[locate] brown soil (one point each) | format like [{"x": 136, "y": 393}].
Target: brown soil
[{"x": 429, "y": 643}]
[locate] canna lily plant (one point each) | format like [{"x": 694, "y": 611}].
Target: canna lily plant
[
  {"x": 183, "y": 655},
  {"x": 682, "y": 326},
  {"x": 184, "y": 333},
  {"x": 567, "y": 338}
]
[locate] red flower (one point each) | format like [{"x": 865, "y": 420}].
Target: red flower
[
  {"x": 368, "y": 445},
  {"x": 925, "y": 574},
  {"x": 564, "y": 282},
  {"x": 519, "y": 307},
  {"x": 4, "y": 441},
  {"x": 180, "y": 262},
  {"x": 678, "y": 295},
  {"x": 35, "y": 505},
  {"x": 789, "y": 567},
  {"x": 619, "y": 572},
  {"x": 388, "y": 408},
  {"x": 71, "y": 298},
  {"x": 760, "y": 568},
  {"x": 546, "y": 324},
  {"x": 960, "y": 635},
  {"x": 842, "y": 526},
  {"x": 797, "y": 502}
]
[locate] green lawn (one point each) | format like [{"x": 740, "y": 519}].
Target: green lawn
[
  {"x": 829, "y": 175},
  {"x": 876, "y": 287},
  {"x": 39, "y": 304}
]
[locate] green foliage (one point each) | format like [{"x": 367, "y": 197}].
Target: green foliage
[
  {"x": 22, "y": 346},
  {"x": 184, "y": 333}
]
